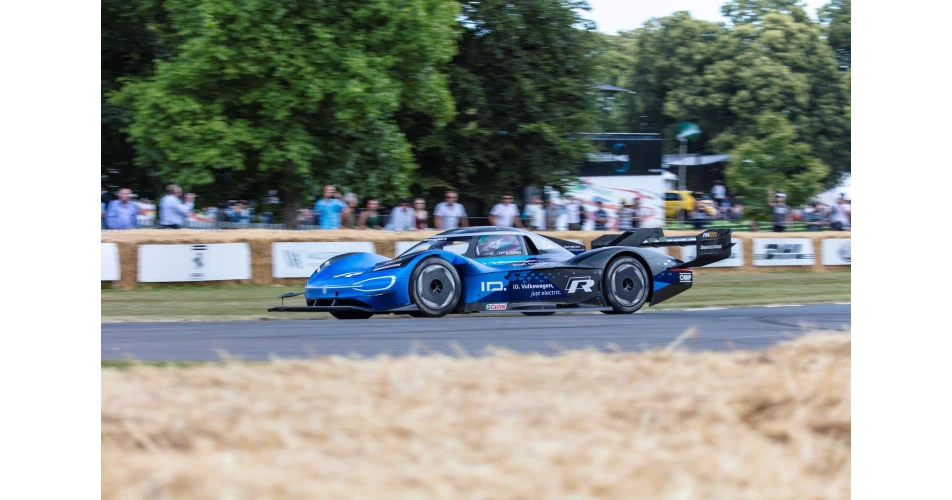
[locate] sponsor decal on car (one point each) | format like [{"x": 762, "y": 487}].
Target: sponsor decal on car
[
  {"x": 388, "y": 266},
  {"x": 496, "y": 307},
  {"x": 348, "y": 275},
  {"x": 684, "y": 277},
  {"x": 580, "y": 282},
  {"x": 514, "y": 263},
  {"x": 492, "y": 286},
  {"x": 709, "y": 235}
]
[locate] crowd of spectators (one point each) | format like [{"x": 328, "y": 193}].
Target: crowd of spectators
[
  {"x": 336, "y": 211},
  {"x": 815, "y": 215}
]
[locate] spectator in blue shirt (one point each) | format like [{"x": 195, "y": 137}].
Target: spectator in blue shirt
[
  {"x": 172, "y": 211},
  {"x": 122, "y": 213},
  {"x": 329, "y": 208}
]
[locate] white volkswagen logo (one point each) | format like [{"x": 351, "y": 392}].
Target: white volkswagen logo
[{"x": 324, "y": 290}]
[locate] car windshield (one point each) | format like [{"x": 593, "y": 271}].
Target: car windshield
[{"x": 456, "y": 245}]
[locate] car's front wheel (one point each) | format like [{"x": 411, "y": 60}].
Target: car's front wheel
[
  {"x": 626, "y": 284},
  {"x": 435, "y": 287}
]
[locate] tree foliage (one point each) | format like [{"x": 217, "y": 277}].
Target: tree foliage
[
  {"x": 130, "y": 42},
  {"x": 771, "y": 58},
  {"x": 775, "y": 159},
  {"x": 234, "y": 98},
  {"x": 292, "y": 94},
  {"x": 616, "y": 57},
  {"x": 523, "y": 86},
  {"x": 835, "y": 18},
  {"x": 673, "y": 54}
]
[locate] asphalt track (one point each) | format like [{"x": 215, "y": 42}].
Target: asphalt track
[{"x": 716, "y": 329}]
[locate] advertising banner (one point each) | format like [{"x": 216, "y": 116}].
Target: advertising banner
[
  {"x": 836, "y": 252},
  {"x": 624, "y": 154},
  {"x": 735, "y": 260},
  {"x": 109, "y": 270},
  {"x": 783, "y": 252},
  {"x": 612, "y": 191},
  {"x": 301, "y": 258},
  {"x": 209, "y": 262}
]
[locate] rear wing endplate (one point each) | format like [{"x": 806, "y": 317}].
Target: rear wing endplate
[{"x": 712, "y": 246}]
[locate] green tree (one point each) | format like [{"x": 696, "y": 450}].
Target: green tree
[
  {"x": 671, "y": 56},
  {"x": 130, "y": 41},
  {"x": 293, "y": 95},
  {"x": 771, "y": 58},
  {"x": 835, "y": 18},
  {"x": 774, "y": 159},
  {"x": 523, "y": 86},
  {"x": 615, "y": 66},
  {"x": 754, "y": 11},
  {"x": 781, "y": 63}
]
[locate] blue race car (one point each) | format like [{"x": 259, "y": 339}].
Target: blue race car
[{"x": 494, "y": 269}]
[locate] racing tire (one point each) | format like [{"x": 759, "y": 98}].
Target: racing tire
[
  {"x": 625, "y": 284},
  {"x": 351, "y": 314},
  {"x": 435, "y": 287},
  {"x": 539, "y": 313},
  {"x": 416, "y": 314}
]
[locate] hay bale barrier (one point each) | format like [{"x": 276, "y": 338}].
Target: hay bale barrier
[
  {"x": 585, "y": 424},
  {"x": 260, "y": 241}
]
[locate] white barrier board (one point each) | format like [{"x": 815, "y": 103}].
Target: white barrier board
[
  {"x": 836, "y": 252},
  {"x": 301, "y": 258},
  {"x": 736, "y": 259},
  {"x": 783, "y": 252},
  {"x": 109, "y": 270},
  {"x": 205, "y": 262}
]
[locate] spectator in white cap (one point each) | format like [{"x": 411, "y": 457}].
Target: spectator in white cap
[
  {"x": 842, "y": 214},
  {"x": 781, "y": 212}
]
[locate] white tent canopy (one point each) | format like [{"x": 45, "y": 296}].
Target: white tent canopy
[{"x": 830, "y": 197}]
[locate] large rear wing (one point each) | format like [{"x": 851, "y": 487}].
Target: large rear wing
[{"x": 712, "y": 246}]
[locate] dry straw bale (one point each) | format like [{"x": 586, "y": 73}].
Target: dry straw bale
[{"x": 739, "y": 425}]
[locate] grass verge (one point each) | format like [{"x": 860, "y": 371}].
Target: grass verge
[
  {"x": 250, "y": 302},
  {"x": 584, "y": 424}
]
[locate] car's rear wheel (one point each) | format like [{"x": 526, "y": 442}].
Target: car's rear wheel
[
  {"x": 626, "y": 284},
  {"x": 351, "y": 314},
  {"x": 435, "y": 287}
]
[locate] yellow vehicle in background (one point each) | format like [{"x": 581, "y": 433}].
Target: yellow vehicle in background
[{"x": 679, "y": 204}]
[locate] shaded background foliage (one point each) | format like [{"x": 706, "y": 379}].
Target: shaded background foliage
[{"x": 236, "y": 98}]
